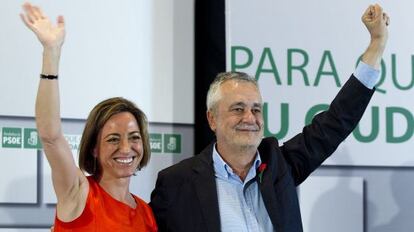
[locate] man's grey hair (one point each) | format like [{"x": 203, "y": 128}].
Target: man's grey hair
[{"x": 214, "y": 94}]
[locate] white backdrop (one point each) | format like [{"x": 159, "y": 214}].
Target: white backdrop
[
  {"x": 113, "y": 48},
  {"x": 324, "y": 43}
]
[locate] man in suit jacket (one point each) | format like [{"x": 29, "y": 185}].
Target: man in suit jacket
[{"x": 242, "y": 182}]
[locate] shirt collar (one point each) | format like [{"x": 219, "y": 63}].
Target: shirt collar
[{"x": 222, "y": 169}]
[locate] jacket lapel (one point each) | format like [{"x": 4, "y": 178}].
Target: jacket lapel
[
  {"x": 267, "y": 154},
  {"x": 205, "y": 186}
]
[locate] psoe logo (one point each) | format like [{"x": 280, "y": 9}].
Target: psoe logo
[
  {"x": 31, "y": 139},
  {"x": 156, "y": 143},
  {"x": 12, "y": 137}
]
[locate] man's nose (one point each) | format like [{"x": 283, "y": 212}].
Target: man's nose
[{"x": 249, "y": 116}]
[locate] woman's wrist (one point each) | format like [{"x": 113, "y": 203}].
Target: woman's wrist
[{"x": 51, "y": 58}]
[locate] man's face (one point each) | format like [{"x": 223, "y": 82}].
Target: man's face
[{"x": 237, "y": 119}]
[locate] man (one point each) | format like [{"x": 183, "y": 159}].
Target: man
[{"x": 245, "y": 183}]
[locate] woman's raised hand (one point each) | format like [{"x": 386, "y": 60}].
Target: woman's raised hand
[{"x": 51, "y": 36}]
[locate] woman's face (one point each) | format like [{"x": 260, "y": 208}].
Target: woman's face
[{"x": 119, "y": 150}]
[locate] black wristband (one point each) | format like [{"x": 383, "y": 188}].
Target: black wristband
[{"x": 49, "y": 77}]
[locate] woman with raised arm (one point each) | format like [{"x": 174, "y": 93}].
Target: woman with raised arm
[{"x": 114, "y": 146}]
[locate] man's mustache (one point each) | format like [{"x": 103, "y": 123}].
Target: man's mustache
[{"x": 250, "y": 127}]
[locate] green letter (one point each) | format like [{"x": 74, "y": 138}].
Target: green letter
[
  {"x": 235, "y": 66},
  {"x": 260, "y": 69},
  {"x": 394, "y": 74},
  {"x": 284, "y": 126},
  {"x": 374, "y": 131},
  {"x": 300, "y": 68},
  {"x": 327, "y": 56},
  {"x": 390, "y": 111}
]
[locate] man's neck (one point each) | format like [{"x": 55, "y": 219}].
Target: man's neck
[{"x": 239, "y": 159}]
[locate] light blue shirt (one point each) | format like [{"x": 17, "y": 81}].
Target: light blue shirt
[
  {"x": 367, "y": 75},
  {"x": 240, "y": 203}
]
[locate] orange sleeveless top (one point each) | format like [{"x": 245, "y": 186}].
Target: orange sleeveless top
[{"x": 104, "y": 213}]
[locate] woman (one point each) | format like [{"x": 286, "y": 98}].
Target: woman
[{"x": 114, "y": 146}]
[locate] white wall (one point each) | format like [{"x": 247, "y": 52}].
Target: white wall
[{"x": 112, "y": 48}]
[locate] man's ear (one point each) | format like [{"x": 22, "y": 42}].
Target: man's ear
[{"x": 211, "y": 120}]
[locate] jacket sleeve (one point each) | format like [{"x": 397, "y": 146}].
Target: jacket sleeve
[
  {"x": 306, "y": 151},
  {"x": 159, "y": 203}
]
